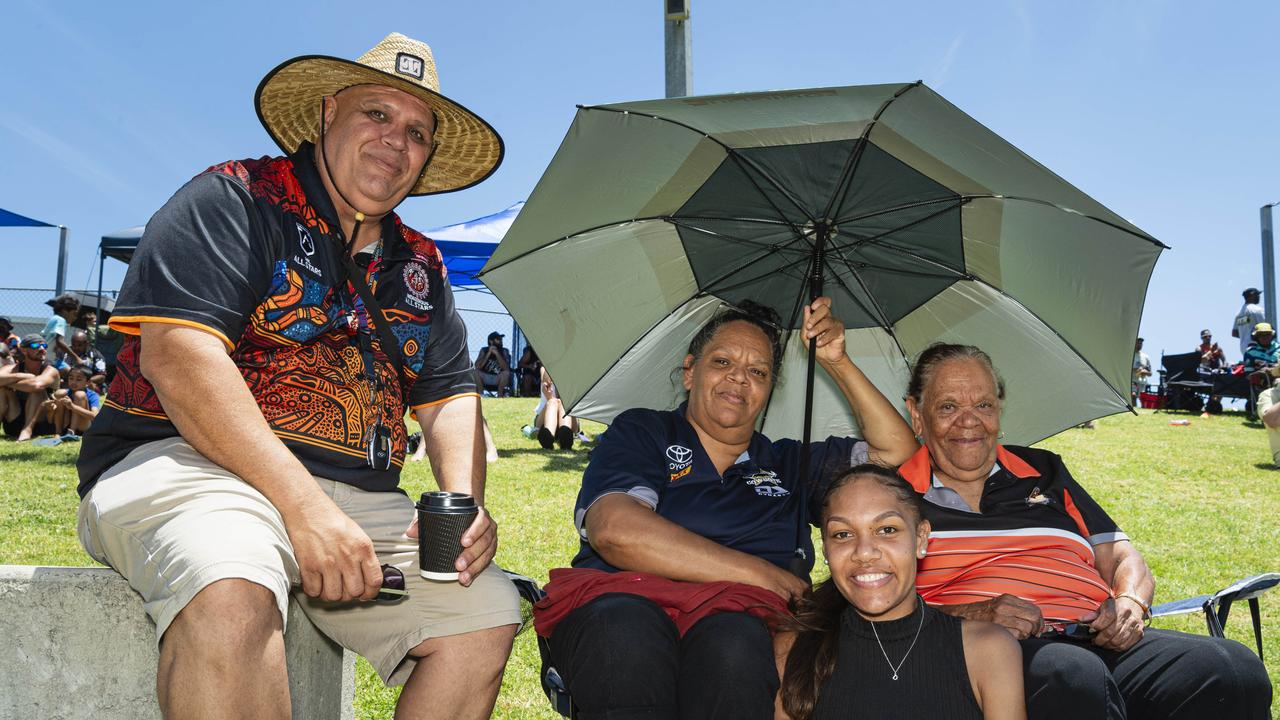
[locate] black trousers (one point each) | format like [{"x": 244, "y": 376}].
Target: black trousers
[
  {"x": 621, "y": 657},
  {"x": 1166, "y": 676}
]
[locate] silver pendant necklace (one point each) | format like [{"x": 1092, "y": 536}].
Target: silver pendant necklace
[{"x": 909, "y": 649}]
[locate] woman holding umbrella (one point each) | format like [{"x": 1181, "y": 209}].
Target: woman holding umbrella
[
  {"x": 697, "y": 496},
  {"x": 1015, "y": 540}
]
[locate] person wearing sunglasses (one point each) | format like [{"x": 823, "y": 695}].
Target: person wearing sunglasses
[
  {"x": 24, "y": 387},
  {"x": 280, "y": 321}
]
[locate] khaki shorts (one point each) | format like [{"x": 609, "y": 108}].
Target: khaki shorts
[{"x": 172, "y": 523}]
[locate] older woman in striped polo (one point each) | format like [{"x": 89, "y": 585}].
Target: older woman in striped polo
[{"x": 1017, "y": 541}]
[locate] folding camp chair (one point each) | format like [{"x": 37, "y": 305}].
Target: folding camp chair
[
  {"x": 552, "y": 684},
  {"x": 1217, "y": 606}
]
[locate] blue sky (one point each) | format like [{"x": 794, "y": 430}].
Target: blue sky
[{"x": 1163, "y": 111}]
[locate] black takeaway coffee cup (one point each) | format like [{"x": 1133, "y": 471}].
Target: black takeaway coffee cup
[{"x": 442, "y": 519}]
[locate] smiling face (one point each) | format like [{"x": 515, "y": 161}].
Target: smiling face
[
  {"x": 730, "y": 382},
  {"x": 376, "y": 142},
  {"x": 871, "y": 540},
  {"x": 958, "y": 418}
]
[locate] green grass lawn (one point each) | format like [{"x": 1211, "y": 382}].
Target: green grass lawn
[{"x": 1201, "y": 502}]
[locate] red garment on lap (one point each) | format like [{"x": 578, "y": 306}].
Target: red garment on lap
[{"x": 684, "y": 602}]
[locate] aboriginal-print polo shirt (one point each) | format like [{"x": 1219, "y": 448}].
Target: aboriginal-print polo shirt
[
  {"x": 251, "y": 252},
  {"x": 759, "y": 506},
  {"x": 1032, "y": 536}
]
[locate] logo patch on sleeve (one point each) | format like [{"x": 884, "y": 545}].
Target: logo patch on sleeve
[{"x": 418, "y": 284}]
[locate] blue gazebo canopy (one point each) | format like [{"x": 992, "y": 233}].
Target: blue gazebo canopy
[{"x": 13, "y": 219}]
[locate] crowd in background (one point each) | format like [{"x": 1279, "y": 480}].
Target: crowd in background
[{"x": 52, "y": 382}]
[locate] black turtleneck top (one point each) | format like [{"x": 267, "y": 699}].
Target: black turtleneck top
[{"x": 933, "y": 682}]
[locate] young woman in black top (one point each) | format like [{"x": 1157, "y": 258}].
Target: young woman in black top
[{"x": 864, "y": 645}]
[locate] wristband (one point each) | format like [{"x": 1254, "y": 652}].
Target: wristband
[{"x": 1146, "y": 609}]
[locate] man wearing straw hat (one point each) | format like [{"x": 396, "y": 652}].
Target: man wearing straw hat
[{"x": 280, "y": 321}]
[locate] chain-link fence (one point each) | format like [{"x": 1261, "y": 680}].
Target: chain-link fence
[{"x": 28, "y": 310}]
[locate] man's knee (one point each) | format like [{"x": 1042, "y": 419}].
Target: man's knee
[
  {"x": 488, "y": 644},
  {"x": 226, "y": 618}
]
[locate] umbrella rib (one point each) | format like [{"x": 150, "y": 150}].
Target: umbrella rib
[
  {"x": 1057, "y": 334},
  {"x": 778, "y": 247},
  {"x": 643, "y": 219},
  {"x": 957, "y": 199},
  {"x": 875, "y": 238},
  {"x": 950, "y": 272},
  {"x": 714, "y": 287},
  {"x": 855, "y": 158},
  {"x": 875, "y": 310},
  {"x": 732, "y": 152},
  {"x": 1138, "y": 234}
]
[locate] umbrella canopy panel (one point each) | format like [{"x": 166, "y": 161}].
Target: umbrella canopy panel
[
  {"x": 654, "y": 214},
  {"x": 748, "y": 231}
]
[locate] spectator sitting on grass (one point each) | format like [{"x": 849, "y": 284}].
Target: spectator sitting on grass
[
  {"x": 66, "y": 308},
  {"x": 550, "y": 421},
  {"x": 530, "y": 366},
  {"x": 7, "y": 338},
  {"x": 1269, "y": 413},
  {"x": 102, "y": 338},
  {"x": 494, "y": 364},
  {"x": 24, "y": 386},
  {"x": 90, "y": 358},
  {"x": 75, "y": 406}
]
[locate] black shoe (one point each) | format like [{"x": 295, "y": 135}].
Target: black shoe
[
  {"x": 564, "y": 436},
  {"x": 546, "y": 439},
  {"x": 411, "y": 444}
]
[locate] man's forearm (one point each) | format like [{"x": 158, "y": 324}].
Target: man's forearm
[
  {"x": 37, "y": 383},
  {"x": 214, "y": 411},
  {"x": 453, "y": 434}
]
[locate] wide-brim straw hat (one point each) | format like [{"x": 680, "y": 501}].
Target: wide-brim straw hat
[{"x": 467, "y": 151}]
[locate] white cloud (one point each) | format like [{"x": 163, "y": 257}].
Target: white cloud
[{"x": 942, "y": 71}]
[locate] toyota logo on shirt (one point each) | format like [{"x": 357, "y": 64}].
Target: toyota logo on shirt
[{"x": 680, "y": 457}]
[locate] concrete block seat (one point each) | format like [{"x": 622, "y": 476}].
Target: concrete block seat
[{"x": 78, "y": 645}]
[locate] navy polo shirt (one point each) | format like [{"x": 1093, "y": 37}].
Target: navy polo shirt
[{"x": 758, "y": 507}]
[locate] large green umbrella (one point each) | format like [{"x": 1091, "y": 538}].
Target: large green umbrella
[{"x": 926, "y": 226}]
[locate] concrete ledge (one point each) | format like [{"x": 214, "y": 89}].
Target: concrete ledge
[{"x": 77, "y": 645}]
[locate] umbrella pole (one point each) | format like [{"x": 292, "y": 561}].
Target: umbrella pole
[{"x": 822, "y": 232}]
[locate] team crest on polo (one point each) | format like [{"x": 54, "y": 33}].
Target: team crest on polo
[
  {"x": 418, "y": 283},
  {"x": 766, "y": 483}
]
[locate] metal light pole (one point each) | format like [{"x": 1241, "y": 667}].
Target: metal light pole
[
  {"x": 1268, "y": 264},
  {"x": 679, "y": 48},
  {"x": 60, "y": 285}
]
